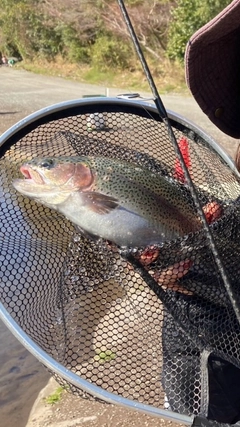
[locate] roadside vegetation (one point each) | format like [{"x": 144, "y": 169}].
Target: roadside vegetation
[
  {"x": 87, "y": 40},
  {"x": 56, "y": 396}
]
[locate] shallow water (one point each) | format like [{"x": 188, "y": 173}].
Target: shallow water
[{"x": 21, "y": 379}]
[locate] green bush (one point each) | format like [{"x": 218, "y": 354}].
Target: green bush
[
  {"x": 187, "y": 17},
  {"x": 71, "y": 46},
  {"x": 25, "y": 31},
  {"x": 111, "y": 52}
]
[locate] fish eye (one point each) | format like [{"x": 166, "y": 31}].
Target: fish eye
[{"x": 47, "y": 163}]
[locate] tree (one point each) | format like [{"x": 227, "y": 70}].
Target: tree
[
  {"x": 150, "y": 20},
  {"x": 25, "y": 30},
  {"x": 187, "y": 17}
]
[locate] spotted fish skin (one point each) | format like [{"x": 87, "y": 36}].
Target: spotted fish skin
[{"x": 109, "y": 198}]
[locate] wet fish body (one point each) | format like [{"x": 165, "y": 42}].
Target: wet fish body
[{"x": 116, "y": 200}]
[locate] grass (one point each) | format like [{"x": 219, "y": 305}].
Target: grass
[
  {"x": 55, "y": 397},
  {"x": 168, "y": 75},
  {"x": 104, "y": 356}
]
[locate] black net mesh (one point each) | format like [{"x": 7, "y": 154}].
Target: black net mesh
[{"x": 139, "y": 322}]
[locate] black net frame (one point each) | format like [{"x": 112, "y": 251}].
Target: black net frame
[{"x": 97, "y": 310}]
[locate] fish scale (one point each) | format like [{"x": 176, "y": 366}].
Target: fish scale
[
  {"x": 116, "y": 200},
  {"x": 131, "y": 183}
]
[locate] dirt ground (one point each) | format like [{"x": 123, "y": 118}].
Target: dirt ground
[
  {"x": 23, "y": 93},
  {"x": 72, "y": 411}
]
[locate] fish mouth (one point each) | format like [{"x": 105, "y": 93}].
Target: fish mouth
[{"x": 31, "y": 174}]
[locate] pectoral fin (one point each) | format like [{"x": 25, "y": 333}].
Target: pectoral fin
[{"x": 100, "y": 203}]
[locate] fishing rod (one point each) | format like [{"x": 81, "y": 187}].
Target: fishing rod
[{"x": 164, "y": 116}]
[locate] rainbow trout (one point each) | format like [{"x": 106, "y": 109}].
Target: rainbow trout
[{"x": 113, "y": 199}]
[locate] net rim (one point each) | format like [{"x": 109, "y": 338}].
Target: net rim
[{"x": 99, "y": 104}]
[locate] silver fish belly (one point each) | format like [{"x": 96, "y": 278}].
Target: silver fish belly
[{"x": 121, "y": 226}]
